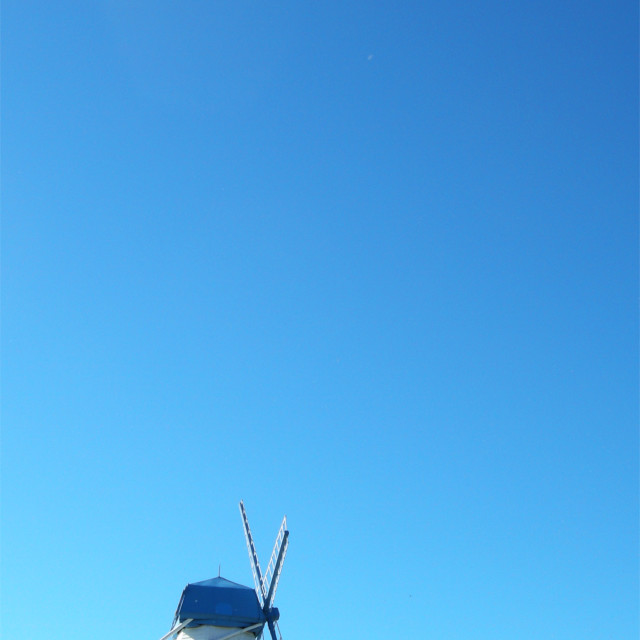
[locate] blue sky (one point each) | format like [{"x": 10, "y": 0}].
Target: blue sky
[{"x": 372, "y": 265}]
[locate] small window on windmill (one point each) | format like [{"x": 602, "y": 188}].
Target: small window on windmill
[{"x": 224, "y": 609}]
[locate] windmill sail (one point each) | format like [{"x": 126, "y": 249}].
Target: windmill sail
[
  {"x": 253, "y": 556},
  {"x": 279, "y": 552},
  {"x": 271, "y": 575}
]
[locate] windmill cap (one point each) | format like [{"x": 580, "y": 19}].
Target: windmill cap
[{"x": 220, "y": 602}]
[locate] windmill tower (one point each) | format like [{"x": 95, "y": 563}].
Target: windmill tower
[{"x": 219, "y": 609}]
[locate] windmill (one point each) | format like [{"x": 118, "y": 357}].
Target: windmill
[{"x": 219, "y": 609}]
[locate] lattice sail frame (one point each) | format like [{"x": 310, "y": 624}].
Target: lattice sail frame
[{"x": 274, "y": 568}]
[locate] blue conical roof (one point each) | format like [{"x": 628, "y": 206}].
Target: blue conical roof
[{"x": 220, "y": 602}]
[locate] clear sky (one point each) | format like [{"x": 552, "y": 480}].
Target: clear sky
[{"x": 370, "y": 264}]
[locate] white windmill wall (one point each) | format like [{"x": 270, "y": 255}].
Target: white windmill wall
[{"x": 209, "y": 632}]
